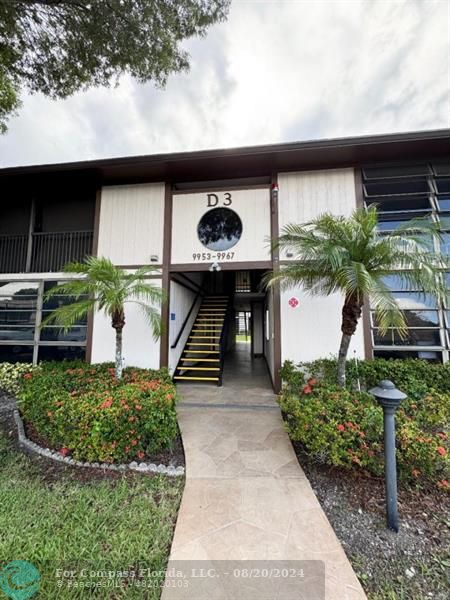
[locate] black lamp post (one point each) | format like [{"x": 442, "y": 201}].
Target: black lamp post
[{"x": 389, "y": 398}]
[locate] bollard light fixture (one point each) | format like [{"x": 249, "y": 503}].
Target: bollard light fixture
[{"x": 389, "y": 398}]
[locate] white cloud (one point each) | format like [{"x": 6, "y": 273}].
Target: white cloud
[{"x": 274, "y": 72}]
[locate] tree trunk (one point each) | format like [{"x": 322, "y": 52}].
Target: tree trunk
[
  {"x": 342, "y": 358},
  {"x": 118, "y": 322},
  {"x": 118, "y": 353},
  {"x": 351, "y": 313}
]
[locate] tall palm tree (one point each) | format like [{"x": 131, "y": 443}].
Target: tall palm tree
[
  {"x": 350, "y": 256},
  {"x": 107, "y": 288}
]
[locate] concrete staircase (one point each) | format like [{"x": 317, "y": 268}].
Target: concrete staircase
[{"x": 202, "y": 357}]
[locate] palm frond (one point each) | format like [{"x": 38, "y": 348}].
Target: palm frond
[
  {"x": 387, "y": 312},
  {"x": 74, "y": 288},
  {"x": 350, "y": 255},
  {"x": 68, "y": 315},
  {"x": 147, "y": 291},
  {"x": 153, "y": 317},
  {"x": 354, "y": 279},
  {"x": 307, "y": 275},
  {"x": 142, "y": 274}
]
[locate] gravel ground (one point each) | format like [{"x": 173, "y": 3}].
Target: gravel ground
[
  {"x": 412, "y": 564},
  {"x": 7, "y": 403}
]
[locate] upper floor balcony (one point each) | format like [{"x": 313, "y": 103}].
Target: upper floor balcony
[
  {"x": 43, "y": 252},
  {"x": 41, "y": 233}
]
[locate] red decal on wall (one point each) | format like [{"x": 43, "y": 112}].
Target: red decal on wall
[{"x": 293, "y": 302}]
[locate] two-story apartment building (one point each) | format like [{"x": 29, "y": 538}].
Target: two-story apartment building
[{"x": 205, "y": 220}]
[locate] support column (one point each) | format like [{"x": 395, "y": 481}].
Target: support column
[
  {"x": 30, "y": 235},
  {"x": 94, "y": 250},
  {"x": 365, "y": 323},
  {"x": 274, "y": 233},
  {"x": 167, "y": 248}
]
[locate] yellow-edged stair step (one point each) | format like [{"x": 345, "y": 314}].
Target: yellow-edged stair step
[
  {"x": 210, "y": 318},
  {"x": 200, "y": 368},
  {"x": 202, "y": 344},
  {"x": 201, "y": 352},
  {"x": 187, "y": 377},
  {"x": 200, "y": 359}
]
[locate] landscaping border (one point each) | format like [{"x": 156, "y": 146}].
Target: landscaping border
[{"x": 140, "y": 467}]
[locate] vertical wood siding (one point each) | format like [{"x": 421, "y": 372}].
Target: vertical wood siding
[
  {"x": 312, "y": 330},
  {"x": 131, "y": 223},
  {"x": 303, "y": 196},
  {"x": 252, "y": 206}
]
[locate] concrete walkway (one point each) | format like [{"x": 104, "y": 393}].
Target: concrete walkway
[{"x": 247, "y": 499}]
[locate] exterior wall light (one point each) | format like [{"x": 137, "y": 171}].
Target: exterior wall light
[
  {"x": 215, "y": 267},
  {"x": 389, "y": 398}
]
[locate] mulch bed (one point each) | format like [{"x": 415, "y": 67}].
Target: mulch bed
[
  {"x": 412, "y": 564},
  {"x": 52, "y": 470}
]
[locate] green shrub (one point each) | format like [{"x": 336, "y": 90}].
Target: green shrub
[
  {"x": 11, "y": 375},
  {"x": 344, "y": 427},
  {"x": 413, "y": 376},
  {"x": 85, "y": 412}
]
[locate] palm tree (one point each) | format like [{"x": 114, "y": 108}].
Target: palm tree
[
  {"x": 107, "y": 288},
  {"x": 349, "y": 255}
]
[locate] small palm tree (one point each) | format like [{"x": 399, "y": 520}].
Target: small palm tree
[
  {"x": 107, "y": 288},
  {"x": 350, "y": 256}
]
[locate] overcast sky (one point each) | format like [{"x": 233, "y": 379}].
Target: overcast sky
[{"x": 276, "y": 71}]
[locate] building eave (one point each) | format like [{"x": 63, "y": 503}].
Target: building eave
[{"x": 255, "y": 161}]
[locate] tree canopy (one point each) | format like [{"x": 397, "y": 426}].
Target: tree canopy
[
  {"x": 58, "y": 47},
  {"x": 348, "y": 255}
]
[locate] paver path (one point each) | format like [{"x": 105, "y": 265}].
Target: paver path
[{"x": 246, "y": 497}]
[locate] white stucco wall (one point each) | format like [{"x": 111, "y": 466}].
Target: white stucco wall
[
  {"x": 253, "y": 208},
  {"x": 131, "y": 223},
  {"x": 181, "y": 300},
  {"x": 312, "y": 329},
  {"x": 139, "y": 347}
]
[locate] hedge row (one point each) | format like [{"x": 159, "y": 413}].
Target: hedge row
[
  {"x": 86, "y": 413},
  {"x": 344, "y": 427}
]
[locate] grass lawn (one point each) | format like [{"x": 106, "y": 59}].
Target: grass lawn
[
  {"x": 59, "y": 518},
  {"x": 242, "y": 338}
]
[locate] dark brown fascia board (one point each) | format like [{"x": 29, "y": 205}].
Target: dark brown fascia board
[{"x": 248, "y": 160}]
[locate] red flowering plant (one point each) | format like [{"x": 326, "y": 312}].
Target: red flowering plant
[
  {"x": 344, "y": 427},
  {"x": 83, "y": 410}
]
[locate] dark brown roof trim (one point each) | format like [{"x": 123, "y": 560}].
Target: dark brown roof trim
[{"x": 249, "y": 161}]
